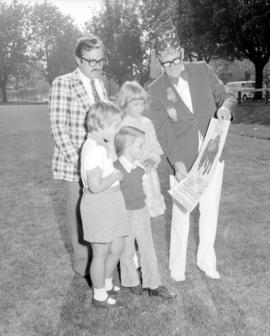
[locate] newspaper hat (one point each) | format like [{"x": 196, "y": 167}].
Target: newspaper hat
[{"x": 166, "y": 39}]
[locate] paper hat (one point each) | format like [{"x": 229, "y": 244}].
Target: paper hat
[{"x": 166, "y": 39}]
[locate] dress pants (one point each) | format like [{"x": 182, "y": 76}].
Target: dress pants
[
  {"x": 80, "y": 248},
  {"x": 141, "y": 231},
  {"x": 209, "y": 209}
]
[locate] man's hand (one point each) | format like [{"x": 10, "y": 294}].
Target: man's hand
[
  {"x": 223, "y": 113},
  {"x": 180, "y": 171}
]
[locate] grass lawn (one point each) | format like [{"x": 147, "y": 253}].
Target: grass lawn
[{"x": 40, "y": 295}]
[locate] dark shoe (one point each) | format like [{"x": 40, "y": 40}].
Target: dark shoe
[
  {"x": 113, "y": 291},
  {"x": 162, "y": 292},
  {"x": 106, "y": 305},
  {"x": 136, "y": 290}
]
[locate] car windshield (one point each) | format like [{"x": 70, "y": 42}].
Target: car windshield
[{"x": 250, "y": 85}]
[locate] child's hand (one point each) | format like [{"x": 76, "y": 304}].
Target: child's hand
[
  {"x": 118, "y": 174},
  {"x": 149, "y": 163}
]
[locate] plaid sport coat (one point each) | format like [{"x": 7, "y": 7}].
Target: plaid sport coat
[{"x": 68, "y": 107}]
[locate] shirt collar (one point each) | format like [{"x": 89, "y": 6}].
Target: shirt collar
[
  {"x": 129, "y": 166},
  {"x": 85, "y": 78},
  {"x": 183, "y": 75}
]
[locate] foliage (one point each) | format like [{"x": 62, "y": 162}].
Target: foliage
[
  {"x": 13, "y": 43},
  {"x": 126, "y": 29},
  {"x": 39, "y": 37},
  {"x": 119, "y": 28},
  {"x": 227, "y": 28},
  {"x": 54, "y": 37},
  {"x": 196, "y": 29},
  {"x": 244, "y": 27}
]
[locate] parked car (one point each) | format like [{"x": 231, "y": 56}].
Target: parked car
[{"x": 243, "y": 86}]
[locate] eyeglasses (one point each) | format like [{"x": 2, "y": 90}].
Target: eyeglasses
[
  {"x": 94, "y": 62},
  {"x": 175, "y": 61}
]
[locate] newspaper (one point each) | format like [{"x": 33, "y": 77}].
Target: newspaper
[{"x": 187, "y": 193}]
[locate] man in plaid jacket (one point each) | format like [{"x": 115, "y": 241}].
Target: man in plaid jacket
[{"x": 71, "y": 96}]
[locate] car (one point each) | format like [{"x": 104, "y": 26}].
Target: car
[{"x": 245, "y": 87}]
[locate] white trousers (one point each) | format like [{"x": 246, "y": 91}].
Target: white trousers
[{"x": 209, "y": 209}]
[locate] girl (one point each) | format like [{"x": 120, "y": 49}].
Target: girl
[
  {"x": 103, "y": 213},
  {"x": 129, "y": 145},
  {"x": 133, "y": 100}
]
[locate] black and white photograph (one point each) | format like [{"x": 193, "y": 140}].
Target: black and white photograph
[{"x": 107, "y": 108}]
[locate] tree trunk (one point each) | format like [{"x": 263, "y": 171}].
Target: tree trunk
[
  {"x": 4, "y": 91},
  {"x": 259, "y": 65}
]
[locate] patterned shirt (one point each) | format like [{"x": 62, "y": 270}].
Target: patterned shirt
[{"x": 68, "y": 108}]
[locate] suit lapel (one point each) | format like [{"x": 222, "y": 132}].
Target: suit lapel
[
  {"x": 80, "y": 90},
  {"x": 182, "y": 109}
]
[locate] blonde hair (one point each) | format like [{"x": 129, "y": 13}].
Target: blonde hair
[
  {"x": 131, "y": 90},
  {"x": 125, "y": 137},
  {"x": 100, "y": 113}
]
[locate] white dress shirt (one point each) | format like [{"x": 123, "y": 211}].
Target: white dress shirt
[
  {"x": 182, "y": 87},
  {"x": 98, "y": 84}
]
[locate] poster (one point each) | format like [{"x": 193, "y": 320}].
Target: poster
[{"x": 188, "y": 191}]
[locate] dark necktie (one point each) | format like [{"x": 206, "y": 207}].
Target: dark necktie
[{"x": 94, "y": 91}]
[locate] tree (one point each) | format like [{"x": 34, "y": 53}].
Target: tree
[
  {"x": 54, "y": 37},
  {"x": 126, "y": 28},
  {"x": 244, "y": 27},
  {"x": 196, "y": 28},
  {"x": 13, "y": 43},
  {"x": 227, "y": 28},
  {"x": 119, "y": 28}
]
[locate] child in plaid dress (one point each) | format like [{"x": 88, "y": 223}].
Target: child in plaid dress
[{"x": 103, "y": 212}]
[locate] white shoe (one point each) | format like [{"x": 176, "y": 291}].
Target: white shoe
[
  {"x": 213, "y": 274},
  {"x": 178, "y": 276}
]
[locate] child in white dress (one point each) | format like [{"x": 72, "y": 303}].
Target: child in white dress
[
  {"x": 103, "y": 212},
  {"x": 133, "y": 100}
]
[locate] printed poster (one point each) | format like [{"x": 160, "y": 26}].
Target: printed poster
[{"x": 188, "y": 191}]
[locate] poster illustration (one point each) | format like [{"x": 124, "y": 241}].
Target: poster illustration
[{"x": 187, "y": 193}]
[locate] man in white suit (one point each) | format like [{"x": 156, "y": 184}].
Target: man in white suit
[
  {"x": 71, "y": 96},
  {"x": 183, "y": 99}
]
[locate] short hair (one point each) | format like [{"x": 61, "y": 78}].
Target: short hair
[
  {"x": 88, "y": 43},
  {"x": 125, "y": 137},
  {"x": 100, "y": 113},
  {"x": 131, "y": 90}
]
